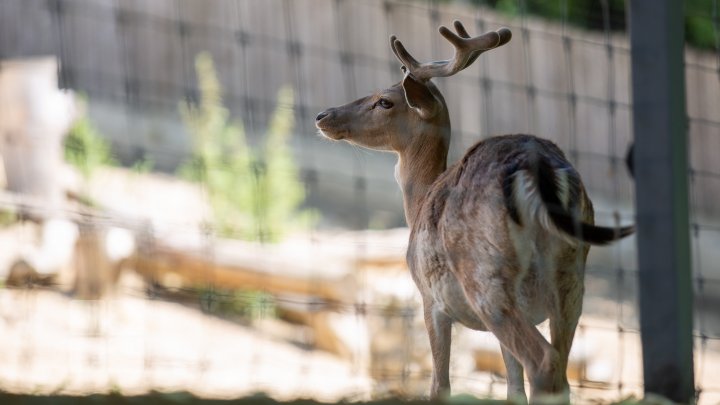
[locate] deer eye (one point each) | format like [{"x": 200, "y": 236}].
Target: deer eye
[{"x": 384, "y": 103}]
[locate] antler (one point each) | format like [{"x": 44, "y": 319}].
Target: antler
[{"x": 467, "y": 49}]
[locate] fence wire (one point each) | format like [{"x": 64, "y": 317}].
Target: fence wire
[{"x": 194, "y": 308}]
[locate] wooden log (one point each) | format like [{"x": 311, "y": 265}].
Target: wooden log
[
  {"x": 327, "y": 331},
  {"x": 277, "y": 269},
  {"x": 249, "y": 270}
]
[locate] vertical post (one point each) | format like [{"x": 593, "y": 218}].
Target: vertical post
[{"x": 661, "y": 173}]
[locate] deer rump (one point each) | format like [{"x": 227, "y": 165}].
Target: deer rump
[{"x": 537, "y": 188}]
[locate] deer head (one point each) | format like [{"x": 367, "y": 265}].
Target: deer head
[
  {"x": 396, "y": 118},
  {"x": 410, "y": 118}
]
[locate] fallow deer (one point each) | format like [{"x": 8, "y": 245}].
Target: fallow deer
[{"x": 499, "y": 240}]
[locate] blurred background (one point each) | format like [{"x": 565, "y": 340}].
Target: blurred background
[{"x": 170, "y": 219}]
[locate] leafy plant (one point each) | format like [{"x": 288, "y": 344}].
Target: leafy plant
[
  {"x": 86, "y": 149},
  {"x": 254, "y": 194}
]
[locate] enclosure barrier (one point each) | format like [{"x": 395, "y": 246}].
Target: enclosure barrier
[{"x": 135, "y": 61}]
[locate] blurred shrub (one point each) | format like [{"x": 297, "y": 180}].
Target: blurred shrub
[
  {"x": 86, "y": 149},
  {"x": 244, "y": 305},
  {"x": 255, "y": 194},
  {"x": 8, "y": 217}
]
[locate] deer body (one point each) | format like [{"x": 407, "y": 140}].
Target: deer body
[
  {"x": 499, "y": 240},
  {"x": 464, "y": 214},
  {"x": 476, "y": 266}
]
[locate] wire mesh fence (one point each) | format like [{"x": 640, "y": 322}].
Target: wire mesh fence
[{"x": 163, "y": 265}]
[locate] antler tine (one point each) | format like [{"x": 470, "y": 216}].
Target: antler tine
[
  {"x": 409, "y": 63},
  {"x": 504, "y": 35},
  {"x": 467, "y": 49},
  {"x": 463, "y": 33},
  {"x": 460, "y": 28}
]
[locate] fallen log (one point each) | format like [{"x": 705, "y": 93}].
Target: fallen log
[{"x": 242, "y": 265}]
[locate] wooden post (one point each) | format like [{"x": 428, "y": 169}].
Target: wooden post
[
  {"x": 34, "y": 117},
  {"x": 661, "y": 173}
]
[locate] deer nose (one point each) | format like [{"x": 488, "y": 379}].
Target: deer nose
[{"x": 322, "y": 115}]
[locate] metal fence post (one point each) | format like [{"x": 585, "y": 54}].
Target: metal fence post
[{"x": 661, "y": 173}]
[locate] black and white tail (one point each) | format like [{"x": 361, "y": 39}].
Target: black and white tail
[{"x": 535, "y": 191}]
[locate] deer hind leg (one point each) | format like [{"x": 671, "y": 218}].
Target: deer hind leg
[
  {"x": 491, "y": 293},
  {"x": 439, "y": 330},
  {"x": 563, "y": 322},
  {"x": 515, "y": 380}
]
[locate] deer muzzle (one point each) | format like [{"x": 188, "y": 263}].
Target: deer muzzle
[{"x": 325, "y": 122}]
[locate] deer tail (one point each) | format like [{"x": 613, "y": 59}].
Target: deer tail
[{"x": 535, "y": 191}]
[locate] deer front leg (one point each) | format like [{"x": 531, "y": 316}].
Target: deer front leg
[
  {"x": 515, "y": 380},
  {"x": 439, "y": 327}
]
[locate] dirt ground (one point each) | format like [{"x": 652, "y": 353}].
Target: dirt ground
[
  {"x": 133, "y": 345},
  {"x": 53, "y": 344}
]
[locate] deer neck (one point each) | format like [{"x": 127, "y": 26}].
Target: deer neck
[{"x": 416, "y": 170}]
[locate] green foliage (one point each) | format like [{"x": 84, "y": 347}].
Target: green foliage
[
  {"x": 254, "y": 194},
  {"x": 582, "y": 13},
  {"x": 86, "y": 149},
  {"x": 243, "y": 304},
  {"x": 8, "y": 217},
  {"x": 281, "y": 191},
  {"x": 699, "y": 28},
  {"x": 143, "y": 166}
]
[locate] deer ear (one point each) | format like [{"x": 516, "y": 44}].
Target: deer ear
[{"x": 419, "y": 97}]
